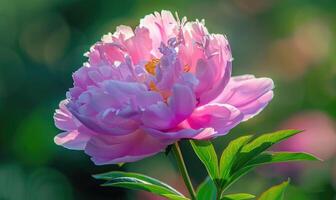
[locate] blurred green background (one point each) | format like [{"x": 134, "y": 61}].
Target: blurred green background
[{"x": 43, "y": 41}]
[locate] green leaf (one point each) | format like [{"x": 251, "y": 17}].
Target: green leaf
[
  {"x": 277, "y": 157},
  {"x": 229, "y": 156},
  {"x": 139, "y": 182},
  {"x": 275, "y": 193},
  {"x": 207, "y": 154},
  {"x": 265, "y": 141},
  {"x": 238, "y": 174},
  {"x": 250, "y": 151},
  {"x": 239, "y": 196},
  {"x": 207, "y": 190}
]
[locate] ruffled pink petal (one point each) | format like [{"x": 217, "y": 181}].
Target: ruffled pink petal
[
  {"x": 114, "y": 107},
  {"x": 247, "y": 93},
  {"x": 63, "y": 118},
  {"x": 72, "y": 140},
  {"x": 221, "y": 117},
  {"x": 139, "y": 46},
  {"x": 208, "y": 57},
  {"x": 158, "y": 116},
  {"x": 206, "y": 134},
  {"x": 162, "y": 26},
  {"x": 162, "y": 116},
  {"x": 172, "y": 136},
  {"x": 182, "y": 102},
  {"x": 105, "y": 149}
]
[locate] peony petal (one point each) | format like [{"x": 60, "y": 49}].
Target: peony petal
[
  {"x": 247, "y": 93},
  {"x": 63, "y": 118},
  {"x": 182, "y": 102},
  {"x": 172, "y": 136},
  {"x": 220, "y": 117},
  {"x": 72, "y": 140},
  {"x": 117, "y": 149},
  {"x": 161, "y": 28},
  {"x": 158, "y": 116}
]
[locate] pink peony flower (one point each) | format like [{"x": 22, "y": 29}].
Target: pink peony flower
[{"x": 142, "y": 90}]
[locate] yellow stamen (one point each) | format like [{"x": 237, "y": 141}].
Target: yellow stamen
[
  {"x": 186, "y": 68},
  {"x": 153, "y": 87},
  {"x": 150, "y": 68},
  {"x": 151, "y": 65}
]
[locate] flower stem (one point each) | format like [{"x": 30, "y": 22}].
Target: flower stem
[{"x": 182, "y": 167}]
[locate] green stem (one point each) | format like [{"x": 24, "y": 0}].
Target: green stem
[{"x": 182, "y": 167}]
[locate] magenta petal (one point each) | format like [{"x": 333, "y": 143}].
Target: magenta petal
[
  {"x": 220, "y": 117},
  {"x": 247, "y": 93},
  {"x": 172, "y": 136},
  {"x": 158, "y": 116},
  {"x": 117, "y": 149},
  {"x": 182, "y": 102}
]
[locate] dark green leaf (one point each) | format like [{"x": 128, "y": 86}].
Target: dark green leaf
[
  {"x": 207, "y": 154},
  {"x": 207, "y": 190},
  {"x": 238, "y": 174},
  {"x": 139, "y": 182},
  {"x": 275, "y": 193},
  {"x": 168, "y": 149},
  {"x": 239, "y": 196}
]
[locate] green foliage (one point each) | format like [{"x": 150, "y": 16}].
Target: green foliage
[
  {"x": 207, "y": 154},
  {"x": 242, "y": 155},
  {"x": 238, "y": 158},
  {"x": 275, "y": 193},
  {"x": 277, "y": 157},
  {"x": 239, "y": 196},
  {"x": 229, "y": 157},
  {"x": 207, "y": 190},
  {"x": 139, "y": 182}
]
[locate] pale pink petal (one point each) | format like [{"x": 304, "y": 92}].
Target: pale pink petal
[
  {"x": 63, "y": 118},
  {"x": 162, "y": 27},
  {"x": 247, "y": 93},
  {"x": 221, "y": 117},
  {"x": 72, "y": 140}
]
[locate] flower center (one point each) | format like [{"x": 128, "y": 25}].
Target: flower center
[{"x": 151, "y": 65}]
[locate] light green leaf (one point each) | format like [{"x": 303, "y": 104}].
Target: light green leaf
[
  {"x": 239, "y": 196},
  {"x": 116, "y": 174},
  {"x": 207, "y": 190},
  {"x": 275, "y": 193},
  {"x": 139, "y": 182},
  {"x": 277, "y": 157},
  {"x": 265, "y": 141},
  {"x": 207, "y": 154},
  {"x": 252, "y": 150},
  {"x": 229, "y": 156}
]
